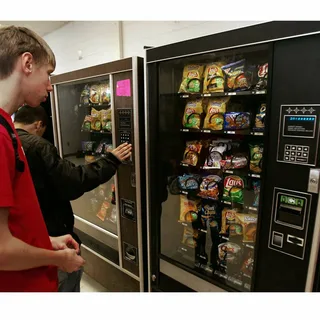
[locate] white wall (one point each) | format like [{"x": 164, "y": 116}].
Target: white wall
[{"x": 99, "y": 40}]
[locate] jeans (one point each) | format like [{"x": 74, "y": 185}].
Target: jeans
[{"x": 69, "y": 282}]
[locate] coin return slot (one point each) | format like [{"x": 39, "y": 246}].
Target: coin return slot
[
  {"x": 291, "y": 215},
  {"x": 130, "y": 253},
  {"x": 295, "y": 240},
  {"x": 277, "y": 239}
]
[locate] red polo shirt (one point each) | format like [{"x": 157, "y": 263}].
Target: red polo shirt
[{"x": 25, "y": 218}]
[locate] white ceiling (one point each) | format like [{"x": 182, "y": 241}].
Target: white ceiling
[{"x": 40, "y": 27}]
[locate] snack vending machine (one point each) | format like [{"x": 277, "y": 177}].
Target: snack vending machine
[
  {"x": 232, "y": 160},
  {"x": 95, "y": 110}
]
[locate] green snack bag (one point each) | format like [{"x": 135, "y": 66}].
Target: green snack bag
[
  {"x": 192, "y": 114},
  {"x": 233, "y": 189},
  {"x": 256, "y": 157},
  {"x": 191, "y": 79}
]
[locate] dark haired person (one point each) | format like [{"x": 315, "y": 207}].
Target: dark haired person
[
  {"x": 29, "y": 258},
  {"x": 57, "y": 181}
]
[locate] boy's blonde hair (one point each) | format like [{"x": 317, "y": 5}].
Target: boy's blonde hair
[{"x": 14, "y": 41}]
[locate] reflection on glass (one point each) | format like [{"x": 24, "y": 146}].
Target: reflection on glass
[
  {"x": 86, "y": 125},
  {"x": 211, "y": 126}
]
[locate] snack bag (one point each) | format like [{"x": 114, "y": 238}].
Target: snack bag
[
  {"x": 87, "y": 146},
  {"x": 213, "y": 78},
  {"x": 105, "y": 119},
  {"x": 209, "y": 214},
  {"x": 105, "y": 95},
  {"x": 256, "y": 157},
  {"x": 247, "y": 266},
  {"x": 188, "y": 209},
  {"x": 216, "y": 154},
  {"x": 237, "y": 120},
  {"x": 102, "y": 214},
  {"x": 95, "y": 120},
  {"x": 249, "y": 225},
  {"x": 94, "y": 94},
  {"x": 189, "y": 182},
  {"x": 233, "y": 189},
  {"x": 236, "y": 161},
  {"x": 214, "y": 115},
  {"x": 191, "y": 79},
  {"x": 85, "y": 94},
  {"x": 235, "y": 72},
  {"x": 260, "y": 116},
  {"x": 192, "y": 114},
  {"x": 229, "y": 253},
  {"x": 228, "y": 217},
  {"x": 86, "y": 126},
  {"x": 192, "y": 152},
  {"x": 189, "y": 237},
  {"x": 209, "y": 187},
  {"x": 256, "y": 190},
  {"x": 263, "y": 77}
]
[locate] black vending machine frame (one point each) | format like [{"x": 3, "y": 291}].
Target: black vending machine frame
[{"x": 265, "y": 33}]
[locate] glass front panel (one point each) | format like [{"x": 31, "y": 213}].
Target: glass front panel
[
  {"x": 210, "y": 138},
  {"x": 86, "y": 135}
]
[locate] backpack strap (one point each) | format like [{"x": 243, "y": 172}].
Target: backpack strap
[{"x": 19, "y": 163}]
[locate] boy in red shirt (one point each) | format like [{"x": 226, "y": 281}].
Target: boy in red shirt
[{"x": 29, "y": 258}]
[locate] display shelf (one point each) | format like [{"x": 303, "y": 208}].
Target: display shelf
[
  {"x": 98, "y": 132},
  {"x": 244, "y": 132},
  {"x": 222, "y": 94},
  {"x": 95, "y": 105}
]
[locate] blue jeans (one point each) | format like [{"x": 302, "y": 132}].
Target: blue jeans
[{"x": 69, "y": 282}]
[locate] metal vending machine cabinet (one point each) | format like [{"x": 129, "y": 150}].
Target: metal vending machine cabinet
[
  {"x": 233, "y": 160},
  {"x": 95, "y": 110}
]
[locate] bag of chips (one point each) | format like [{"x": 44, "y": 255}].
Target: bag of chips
[
  {"x": 256, "y": 157},
  {"x": 86, "y": 126},
  {"x": 189, "y": 182},
  {"x": 209, "y": 214},
  {"x": 188, "y": 209},
  {"x": 87, "y": 146},
  {"x": 228, "y": 217},
  {"x": 105, "y": 94},
  {"x": 260, "y": 116},
  {"x": 216, "y": 154},
  {"x": 85, "y": 94},
  {"x": 106, "y": 119},
  {"x": 209, "y": 187},
  {"x": 263, "y": 77},
  {"x": 236, "y": 161},
  {"x": 237, "y": 120},
  {"x": 233, "y": 189},
  {"x": 94, "y": 94},
  {"x": 189, "y": 237},
  {"x": 95, "y": 120},
  {"x": 192, "y": 114},
  {"x": 214, "y": 113},
  {"x": 192, "y": 153},
  {"x": 229, "y": 253},
  {"x": 249, "y": 225},
  {"x": 235, "y": 73},
  {"x": 256, "y": 190},
  {"x": 213, "y": 78},
  {"x": 191, "y": 79}
]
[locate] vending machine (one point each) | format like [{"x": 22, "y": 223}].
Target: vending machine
[
  {"x": 95, "y": 110},
  {"x": 233, "y": 160}
]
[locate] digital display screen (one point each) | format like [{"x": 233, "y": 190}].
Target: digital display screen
[{"x": 299, "y": 126}]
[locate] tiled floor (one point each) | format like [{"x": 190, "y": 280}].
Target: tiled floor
[{"x": 90, "y": 285}]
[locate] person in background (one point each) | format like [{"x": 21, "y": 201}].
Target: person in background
[
  {"x": 29, "y": 258},
  {"x": 58, "y": 181}
]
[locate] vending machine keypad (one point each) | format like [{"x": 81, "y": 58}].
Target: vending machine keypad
[{"x": 296, "y": 153}]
